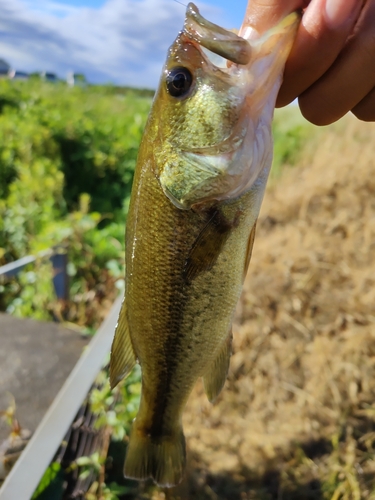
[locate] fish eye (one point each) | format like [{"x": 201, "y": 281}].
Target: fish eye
[{"x": 179, "y": 81}]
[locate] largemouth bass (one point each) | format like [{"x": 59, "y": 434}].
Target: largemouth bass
[{"x": 201, "y": 173}]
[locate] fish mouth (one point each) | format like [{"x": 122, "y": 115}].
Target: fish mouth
[
  {"x": 252, "y": 61},
  {"x": 214, "y": 38},
  {"x": 238, "y": 49}
]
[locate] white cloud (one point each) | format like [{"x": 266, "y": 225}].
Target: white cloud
[{"x": 124, "y": 41}]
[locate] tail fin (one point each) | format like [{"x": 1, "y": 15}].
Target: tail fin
[{"x": 162, "y": 458}]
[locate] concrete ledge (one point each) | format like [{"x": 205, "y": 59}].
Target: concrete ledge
[{"x": 35, "y": 360}]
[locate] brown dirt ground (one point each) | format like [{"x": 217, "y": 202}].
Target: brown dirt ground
[{"x": 296, "y": 419}]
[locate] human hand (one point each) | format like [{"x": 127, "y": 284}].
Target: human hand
[{"x": 331, "y": 68}]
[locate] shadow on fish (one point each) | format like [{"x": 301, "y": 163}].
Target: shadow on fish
[{"x": 202, "y": 169}]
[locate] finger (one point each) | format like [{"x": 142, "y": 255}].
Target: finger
[
  {"x": 349, "y": 80},
  {"x": 365, "y": 109},
  {"x": 321, "y": 37},
  {"x": 264, "y": 14}
]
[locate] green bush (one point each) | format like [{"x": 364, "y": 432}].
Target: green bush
[{"x": 67, "y": 158}]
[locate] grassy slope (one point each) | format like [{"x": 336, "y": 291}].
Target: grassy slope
[{"x": 296, "y": 419}]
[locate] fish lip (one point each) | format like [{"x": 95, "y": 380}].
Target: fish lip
[{"x": 215, "y": 38}]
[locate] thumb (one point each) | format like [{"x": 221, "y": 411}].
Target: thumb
[{"x": 264, "y": 14}]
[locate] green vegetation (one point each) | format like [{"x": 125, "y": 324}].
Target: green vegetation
[{"x": 67, "y": 157}]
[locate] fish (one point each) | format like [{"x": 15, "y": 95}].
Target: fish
[{"x": 201, "y": 173}]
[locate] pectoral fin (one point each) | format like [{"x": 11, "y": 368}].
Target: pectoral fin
[
  {"x": 208, "y": 245},
  {"x": 217, "y": 372},
  {"x": 123, "y": 357}
]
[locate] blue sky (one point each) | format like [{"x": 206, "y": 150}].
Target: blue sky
[
  {"x": 84, "y": 3},
  {"x": 233, "y": 9},
  {"x": 118, "y": 41}
]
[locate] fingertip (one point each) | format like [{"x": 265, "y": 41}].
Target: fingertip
[
  {"x": 316, "y": 48},
  {"x": 284, "y": 97},
  {"x": 364, "y": 115},
  {"x": 281, "y": 103},
  {"x": 365, "y": 109},
  {"x": 339, "y": 13},
  {"x": 315, "y": 112}
]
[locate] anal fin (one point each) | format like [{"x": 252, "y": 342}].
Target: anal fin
[
  {"x": 123, "y": 357},
  {"x": 216, "y": 375}
]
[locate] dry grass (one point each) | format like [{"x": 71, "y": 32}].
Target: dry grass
[{"x": 297, "y": 417}]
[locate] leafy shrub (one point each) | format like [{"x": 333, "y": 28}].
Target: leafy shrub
[{"x": 67, "y": 157}]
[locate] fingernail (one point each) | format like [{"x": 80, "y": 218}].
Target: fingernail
[{"x": 339, "y": 12}]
